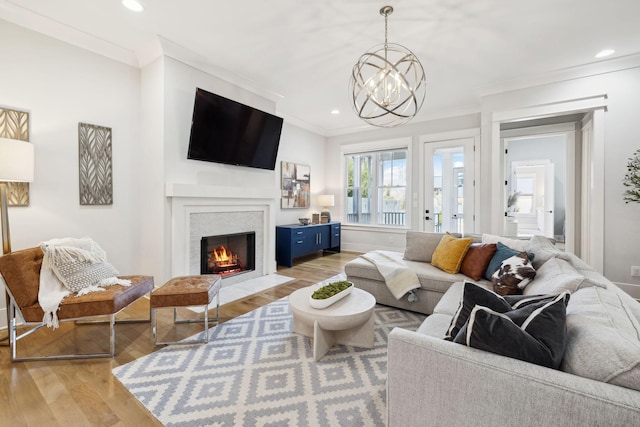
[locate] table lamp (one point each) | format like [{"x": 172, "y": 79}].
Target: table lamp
[
  {"x": 326, "y": 200},
  {"x": 16, "y": 165}
]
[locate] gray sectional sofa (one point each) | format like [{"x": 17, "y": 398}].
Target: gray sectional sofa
[
  {"x": 434, "y": 382},
  {"x": 417, "y": 256}
]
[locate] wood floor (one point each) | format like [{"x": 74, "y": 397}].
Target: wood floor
[{"x": 73, "y": 393}]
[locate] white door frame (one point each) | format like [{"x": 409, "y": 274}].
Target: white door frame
[{"x": 595, "y": 217}]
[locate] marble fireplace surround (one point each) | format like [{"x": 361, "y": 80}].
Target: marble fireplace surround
[{"x": 204, "y": 210}]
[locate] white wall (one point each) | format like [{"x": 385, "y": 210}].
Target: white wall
[
  {"x": 620, "y": 138},
  {"x": 60, "y": 85},
  {"x": 300, "y": 146},
  {"x": 620, "y": 133},
  {"x": 169, "y": 84}
]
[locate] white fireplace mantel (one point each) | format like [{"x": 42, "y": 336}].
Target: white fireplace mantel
[
  {"x": 218, "y": 192},
  {"x": 188, "y": 199}
]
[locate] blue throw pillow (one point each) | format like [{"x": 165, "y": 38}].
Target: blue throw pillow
[{"x": 502, "y": 252}]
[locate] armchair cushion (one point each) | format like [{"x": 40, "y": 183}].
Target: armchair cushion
[{"x": 21, "y": 272}]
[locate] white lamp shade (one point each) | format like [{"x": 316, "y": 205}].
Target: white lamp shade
[
  {"x": 16, "y": 160},
  {"x": 326, "y": 200}
]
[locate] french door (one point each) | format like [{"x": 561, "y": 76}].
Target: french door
[{"x": 449, "y": 182}]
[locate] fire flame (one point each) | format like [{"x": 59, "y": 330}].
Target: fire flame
[{"x": 221, "y": 257}]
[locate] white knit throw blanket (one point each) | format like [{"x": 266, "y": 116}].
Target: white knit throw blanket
[
  {"x": 60, "y": 257},
  {"x": 399, "y": 278}
]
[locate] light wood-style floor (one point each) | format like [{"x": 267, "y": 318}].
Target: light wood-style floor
[{"x": 73, "y": 393}]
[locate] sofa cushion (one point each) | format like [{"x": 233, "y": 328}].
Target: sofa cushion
[
  {"x": 519, "y": 245},
  {"x": 544, "y": 249},
  {"x": 477, "y": 259},
  {"x": 435, "y": 325},
  {"x": 534, "y": 332},
  {"x": 450, "y": 252},
  {"x": 604, "y": 338},
  {"x": 513, "y": 275},
  {"x": 502, "y": 252},
  {"x": 474, "y": 295},
  {"x": 557, "y": 275},
  {"x": 431, "y": 278},
  {"x": 420, "y": 245}
]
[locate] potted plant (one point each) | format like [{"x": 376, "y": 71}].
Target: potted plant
[{"x": 632, "y": 179}]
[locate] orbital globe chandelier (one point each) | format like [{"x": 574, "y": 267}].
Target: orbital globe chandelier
[{"x": 388, "y": 84}]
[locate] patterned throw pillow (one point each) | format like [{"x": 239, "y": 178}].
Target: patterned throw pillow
[
  {"x": 80, "y": 275},
  {"x": 502, "y": 252},
  {"x": 513, "y": 275},
  {"x": 472, "y": 295},
  {"x": 80, "y": 264},
  {"x": 534, "y": 332}
]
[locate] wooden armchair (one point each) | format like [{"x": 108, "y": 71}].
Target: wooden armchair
[{"x": 21, "y": 273}]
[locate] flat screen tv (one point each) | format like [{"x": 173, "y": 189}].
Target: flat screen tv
[{"x": 226, "y": 131}]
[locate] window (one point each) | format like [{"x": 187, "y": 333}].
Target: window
[
  {"x": 376, "y": 187},
  {"x": 526, "y": 186}
]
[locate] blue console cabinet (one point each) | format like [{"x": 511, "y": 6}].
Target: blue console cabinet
[{"x": 296, "y": 240}]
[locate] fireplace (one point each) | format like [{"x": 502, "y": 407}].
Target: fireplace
[{"x": 228, "y": 254}]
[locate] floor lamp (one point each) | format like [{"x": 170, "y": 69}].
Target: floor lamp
[{"x": 16, "y": 165}]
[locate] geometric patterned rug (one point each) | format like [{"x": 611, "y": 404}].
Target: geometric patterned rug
[{"x": 255, "y": 371}]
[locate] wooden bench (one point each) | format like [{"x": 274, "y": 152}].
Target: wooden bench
[{"x": 186, "y": 291}]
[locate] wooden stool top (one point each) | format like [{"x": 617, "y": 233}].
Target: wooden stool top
[{"x": 186, "y": 291}]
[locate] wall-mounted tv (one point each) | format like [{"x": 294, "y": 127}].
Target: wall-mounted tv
[{"x": 226, "y": 131}]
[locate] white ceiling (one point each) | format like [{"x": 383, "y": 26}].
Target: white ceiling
[{"x": 303, "y": 50}]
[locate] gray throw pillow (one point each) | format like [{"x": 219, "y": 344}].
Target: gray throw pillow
[
  {"x": 421, "y": 245},
  {"x": 557, "y": 275}
]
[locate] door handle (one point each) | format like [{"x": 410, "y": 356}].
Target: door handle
[{"x": 427, "y": 218}]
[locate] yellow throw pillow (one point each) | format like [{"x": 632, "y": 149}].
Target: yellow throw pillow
[{"x": 450, "y": 252}]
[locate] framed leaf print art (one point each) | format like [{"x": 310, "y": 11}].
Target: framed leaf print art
[
  {"x": 295, "y": 190},
  {"x": 14, "y": 124},
  {"x": 96, "y": 180}
]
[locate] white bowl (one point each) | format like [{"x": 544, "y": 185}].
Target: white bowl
[{"x": 324, "y": 303}]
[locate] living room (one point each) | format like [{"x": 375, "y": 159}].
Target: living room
[{"x": 149, "y": 110}]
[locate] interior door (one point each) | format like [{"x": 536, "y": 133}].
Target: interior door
[
  {"x": 449, "y": 175},
  {"x": 549, "y": 201}
]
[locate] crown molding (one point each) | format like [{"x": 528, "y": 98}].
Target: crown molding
[
  {"x": 565, "y": 74},
  {"x": 26, "y": 18}
]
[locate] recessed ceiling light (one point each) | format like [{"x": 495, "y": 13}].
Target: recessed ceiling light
[
  {"x": 605, "y": 53},
  {"x": 335, "y": 112},
  {"x": 133, "y": 5}
]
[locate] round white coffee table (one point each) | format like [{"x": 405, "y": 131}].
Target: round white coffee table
[{"x": 347, "y": 322}]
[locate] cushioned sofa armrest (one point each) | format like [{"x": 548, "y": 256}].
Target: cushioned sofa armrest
[{"x": 432, "y": 382}]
